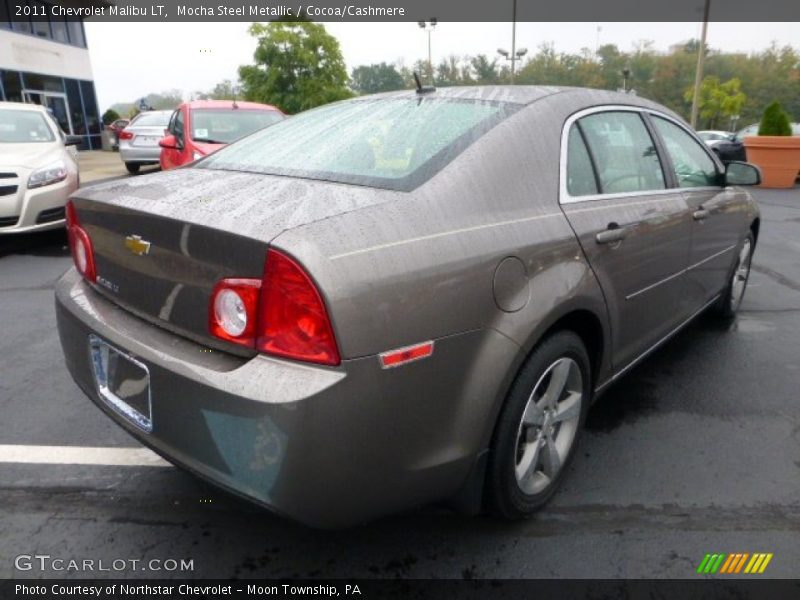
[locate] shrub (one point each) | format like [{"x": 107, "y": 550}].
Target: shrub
[
  {"x": 775, "y": 121},
  {"x": 110, "y": 116}
]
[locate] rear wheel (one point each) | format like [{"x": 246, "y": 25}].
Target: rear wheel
[
  {"x": 731, "y": 299},
  {"x": 133, "y": 168},
  {"x": 539, "y": 427}
]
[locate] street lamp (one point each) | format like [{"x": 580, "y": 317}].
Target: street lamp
[
  {"x": 515, "y": 54},
  {"x": 429, "y": 26},
  {"x": 513, "y": 57}
]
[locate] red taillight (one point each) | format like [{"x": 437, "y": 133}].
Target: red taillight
[
  {"x": 233, "y": 313},
  {"x": 125, "y": 135},
  {"x": 293, "y": 320},
  {"x": 80, "y": 245},
  {"x": 283, "y": 314}
]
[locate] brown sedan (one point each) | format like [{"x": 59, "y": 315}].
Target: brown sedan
[{"x": 402, "y": 298}]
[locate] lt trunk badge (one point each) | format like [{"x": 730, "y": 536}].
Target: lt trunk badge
[{"x": 137, "y": 245}]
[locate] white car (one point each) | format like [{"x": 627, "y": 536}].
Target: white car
[
  {"x": 38, "y": 169},
  {"x": 138, "y": 142}
]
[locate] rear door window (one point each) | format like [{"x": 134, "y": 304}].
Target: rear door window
[
  {"x": 624, "y": 153},
  {"x": 580, "y": 172}
]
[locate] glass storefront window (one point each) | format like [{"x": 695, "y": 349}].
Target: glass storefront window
[
  {"x": 76, "y": 33},
  {"x": 90, "y": 108},
  {"x": 12, "y": 86},
  {"x": 51, "y": 27}
]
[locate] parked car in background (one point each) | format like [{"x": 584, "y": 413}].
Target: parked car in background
[
  {"x": 116, "y": 127},
  {"x": 138, "y": 141},
  {"x": 729, "y": 146},
  {"x": 38, "y": 169},
  {"x": 725, "y": 144},
  {"x": 402, "y": 298},
  {"x": 201, "y": 127}
]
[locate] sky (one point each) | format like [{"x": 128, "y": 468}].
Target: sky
[{"x": 130, "y": 60}]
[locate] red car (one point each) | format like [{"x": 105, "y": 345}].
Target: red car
[{"x": 200, "y": 127}]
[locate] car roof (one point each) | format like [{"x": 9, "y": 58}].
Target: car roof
[
  {"x": 521, "y": 94},
  {"x": 229, "y": 104},
  {"x": 22, "y": 106}
]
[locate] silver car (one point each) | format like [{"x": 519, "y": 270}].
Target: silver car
[
  {"x": 38, "y": 169},
  {"x": 403, "y": 298},
  {"x": 138, "y": 142}
]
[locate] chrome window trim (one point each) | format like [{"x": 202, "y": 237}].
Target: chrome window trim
[{"x": 564, "y": 196}]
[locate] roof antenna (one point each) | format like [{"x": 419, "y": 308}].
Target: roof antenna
[{"x": 427, "y": 89}]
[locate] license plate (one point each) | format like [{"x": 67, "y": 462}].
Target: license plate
[
  {"x": 122, "y": 382},
  {"x": 146, "y": 140}
]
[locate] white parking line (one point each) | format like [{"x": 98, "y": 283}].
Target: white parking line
[{"x": 79, "y": 455}]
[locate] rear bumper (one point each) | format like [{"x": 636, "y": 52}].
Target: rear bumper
[
  {"x": 144, "y": 154},
  {"x": 329, "y": 447}
]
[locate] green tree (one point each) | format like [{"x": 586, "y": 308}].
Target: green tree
[
  {"x": 718, "y": 100},
  {"x": 484, "y": 70},
  {"x": 110, "y": 116},
  {"x": 224, "y": 90},
  {"x": 298, "y": 65},
  {"x": 775, "y": 121},
  {"x": 371, "y": 79}
]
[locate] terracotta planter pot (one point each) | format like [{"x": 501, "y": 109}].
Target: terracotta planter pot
[{"x": 777, "y": 156}]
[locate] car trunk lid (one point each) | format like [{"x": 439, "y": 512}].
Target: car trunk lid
[{"x": 162, "y": 242}]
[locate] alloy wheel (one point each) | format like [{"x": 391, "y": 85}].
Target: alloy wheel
[{"x": 548, "y": 426}]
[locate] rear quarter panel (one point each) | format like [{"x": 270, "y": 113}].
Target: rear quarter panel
[{"x": 422, "y": 266}]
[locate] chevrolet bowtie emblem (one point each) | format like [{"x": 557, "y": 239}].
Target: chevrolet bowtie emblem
[{"x": 137, "y": 245}]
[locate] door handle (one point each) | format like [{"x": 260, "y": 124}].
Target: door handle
[
  {"x": 700, "y": 214},
  {"x": 614, "y": 233}
]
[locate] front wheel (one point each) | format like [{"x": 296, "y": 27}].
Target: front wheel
[
  {"x": 539, "y": 427},
  {"x": 731, "y": 299},
  {"x": 133, "y": 168}
]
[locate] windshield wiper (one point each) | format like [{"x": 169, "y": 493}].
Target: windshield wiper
[{"x": 208, "y": 141}]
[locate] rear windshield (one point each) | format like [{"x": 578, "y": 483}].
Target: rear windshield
[
  {"x": 158, "y": 119},
  {"x": 392, "y": 143},
  {"x": 24, "y": 127},
  {"x": 226, "y": 125}
]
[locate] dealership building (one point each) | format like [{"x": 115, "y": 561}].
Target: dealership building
[{"x": 46, "y": 61}]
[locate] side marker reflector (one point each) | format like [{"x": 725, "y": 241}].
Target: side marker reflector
[{"x": 401, "y": 356}]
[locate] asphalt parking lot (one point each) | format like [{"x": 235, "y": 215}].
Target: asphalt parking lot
[{"x": 696, "y": 451}]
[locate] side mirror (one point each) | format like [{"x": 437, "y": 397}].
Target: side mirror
[
  {"x": 73, "y": 140},
  {"x": 742, "y": 173},
  {"x": 169, "y": 142}
]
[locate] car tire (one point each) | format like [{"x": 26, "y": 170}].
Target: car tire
[
  {"x": 133, "y": 168},
  {"x": 731, "y": 299},
  {"x": 539, "y": 427}
]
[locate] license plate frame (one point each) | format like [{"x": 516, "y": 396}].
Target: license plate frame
[
  {"x": 146, "y": 141},
  {"x": 109, "y": 366}
]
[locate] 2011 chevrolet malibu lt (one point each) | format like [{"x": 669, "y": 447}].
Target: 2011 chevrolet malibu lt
[{"x": 403, "y": 298}]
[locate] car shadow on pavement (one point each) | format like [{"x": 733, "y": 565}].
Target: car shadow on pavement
[{"x": 51, "y": 243}]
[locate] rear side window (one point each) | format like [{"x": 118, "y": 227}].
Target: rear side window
[
  {"x": 693, "y": 166},
  {"x": 580, "y": 173},
  {"x": 392, "y": 143},
  {"x": 624, "y": 153}
]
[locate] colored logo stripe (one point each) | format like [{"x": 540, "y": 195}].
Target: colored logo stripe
[
  {"x": 710, "y": 563},
  {"x": 734, "y": 563}
]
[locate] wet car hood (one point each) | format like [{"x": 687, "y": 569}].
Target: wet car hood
[{"x": 249, "y": 204}]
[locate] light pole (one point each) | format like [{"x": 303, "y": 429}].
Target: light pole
[
  {"x": 513, "y": 57},
  {"x": 515, "y": 54},
  {"x": 429, "y": 26},
  {"x": 701, "y": 57}
]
